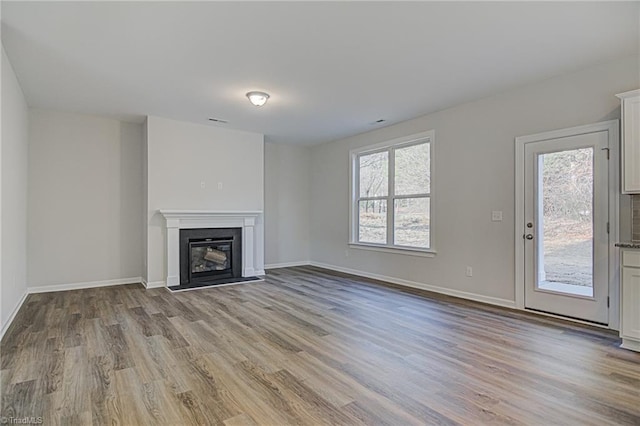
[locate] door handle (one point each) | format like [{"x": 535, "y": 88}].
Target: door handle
[{"x": 528, "y": 236}]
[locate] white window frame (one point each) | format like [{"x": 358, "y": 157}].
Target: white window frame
[{"x": 354, "y": 183}]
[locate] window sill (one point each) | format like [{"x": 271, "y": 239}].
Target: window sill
[{"x": 397, "y": 250}]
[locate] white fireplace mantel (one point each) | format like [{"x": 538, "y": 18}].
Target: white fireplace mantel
[{"x": 249, "y": 221}]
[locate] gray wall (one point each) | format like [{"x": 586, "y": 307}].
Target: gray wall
[
  {"x": 473, "y": 175},
  {"x": 180, "y": 157},
  {"x": 13, "y": 190},
  {"x": 287, "y": 200},
  {"x": 85, "y": 199},
  {"x": 635, "y": 217}
]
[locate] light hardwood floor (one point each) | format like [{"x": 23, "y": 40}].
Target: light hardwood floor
[{"x": 306, "y": 347}]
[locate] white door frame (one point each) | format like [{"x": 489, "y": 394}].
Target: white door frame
[{"x": 612, "y": 128}]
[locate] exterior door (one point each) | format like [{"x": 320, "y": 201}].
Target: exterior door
[{"x": 565, "y": 234}]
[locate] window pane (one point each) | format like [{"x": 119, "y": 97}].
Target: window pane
[
  {"x": 373, "y": 221},
  {"x": 412, "y": 174},
  {"x": 565, "y": 262},
  {"x": 411, "y": 227},
  {"x": 374, "y": 174}
]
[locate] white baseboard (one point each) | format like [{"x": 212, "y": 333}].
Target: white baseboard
[
  {"x": 259, "y": 272},
  {"x": 152, "y": 284},
  {"x": 7, "y": 324},
  {"x": 442, "y": 290},
  {"x": 287, "y": 264},
  {"x": 632, "y": 345},
  {"x": 79, "y": 286}
]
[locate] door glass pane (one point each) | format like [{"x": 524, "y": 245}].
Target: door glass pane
[
  {"x": 372, "y": 221},
  {"x": 374, "y": 172},
  {"x": 412, "y": 170},
  {"x": 411, "y": 222},
  {"x": 565, "y": 215}
]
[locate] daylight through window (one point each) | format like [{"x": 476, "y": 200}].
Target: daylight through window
[{"x": 392, "y": 194}]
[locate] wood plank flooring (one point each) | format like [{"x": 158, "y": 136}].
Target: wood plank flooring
[{"x": 306, "y": 347}]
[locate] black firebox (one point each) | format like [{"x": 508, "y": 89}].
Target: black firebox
[{"x": 210, "y": 255}]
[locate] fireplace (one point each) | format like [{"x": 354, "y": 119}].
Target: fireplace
[
  {"x": 210, "y": 255},
  {"x": 247, "y": 252}
]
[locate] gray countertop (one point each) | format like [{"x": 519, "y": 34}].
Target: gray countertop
[{"x": 628, "y": 244}]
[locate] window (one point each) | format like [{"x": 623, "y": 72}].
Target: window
[{"x": 391, "y": 194}]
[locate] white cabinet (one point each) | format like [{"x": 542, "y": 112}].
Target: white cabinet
[
  {"x": 630, "y": 141},
  {"x": 630, "y": 300}
]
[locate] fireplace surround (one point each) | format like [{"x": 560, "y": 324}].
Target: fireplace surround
[{"x": 250, "y": 241}]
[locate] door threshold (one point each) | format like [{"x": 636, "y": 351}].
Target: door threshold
[{"x": 567, "y": 318}]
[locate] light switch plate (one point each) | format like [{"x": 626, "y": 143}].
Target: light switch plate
[{"x": 496, "y": 216}]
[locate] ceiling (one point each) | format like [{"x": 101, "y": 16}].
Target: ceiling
[{"x": 332, "y": 68}]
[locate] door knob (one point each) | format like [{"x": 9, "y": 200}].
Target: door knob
[{"x": 528, "y": 236}]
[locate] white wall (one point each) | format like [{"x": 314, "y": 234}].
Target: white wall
[
  {"x": 287, "y": 202},
  {"x": 473, "y": 175},
  {"x": 13, "y": 190},
  {"x": 180, "y": 157},
  {"x": 85, "y": 199}
]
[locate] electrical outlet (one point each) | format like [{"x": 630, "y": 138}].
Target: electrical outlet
[
  {"x": 202, "y": 185},
  {"x": 219, "y": 186},
  {"x": 469, "y": 271},
  {"x": 496, "y": 216}
]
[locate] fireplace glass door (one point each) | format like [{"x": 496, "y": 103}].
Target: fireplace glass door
[{"x": 210, "y": 257}]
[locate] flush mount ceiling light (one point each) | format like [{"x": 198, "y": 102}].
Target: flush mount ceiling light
[{"x": 258, "y": 98}]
